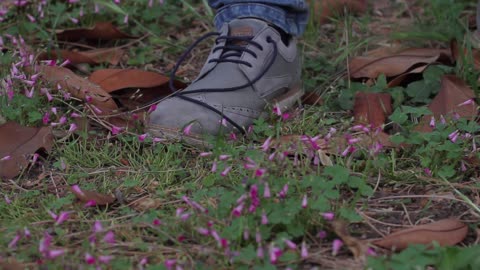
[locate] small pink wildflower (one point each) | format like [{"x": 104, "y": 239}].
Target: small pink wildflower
[
  {"x": 52, "y": 254},
  {"x": 105, "y": 259},
  {"x": 275, "y": 253},
  {"x": 304, "y": 201},
  {"x": 453, "y": 136},
  {"x": 26, "y": 232},
  {"x": 260, "y": 252},
  {"x": 371, "y": 252},
  {"x": 62, "y": 217},
  {"x": 304, "y": 250},
  {"x": 78, "y": 190},
  {"x": 14, "y": 241},
  {"x": 328, "y": 216},
  {"x": 90, "y": 203},
  {"x": 72, "y": 128},
  {"x": 203, "y": 231},
  {"x": 237, "y": 211},
  {"x": 5, "y": 158},
  {"x": 187, "y": 130},
  {"x": 427, "y": 171},
  {"x": 432, "y": 122},
  {"x": 264, "y": 220},
  {"x": 89, "y": 259},
  {"x": 224, "y": 157},
  {"x": 266, "y": 145},
  {"x": 290, "y": 244},
  {"x": 7, "y": 200},
  {"x": 336, "y": 245},
  {"x": 467, "y": 102},
  {"x": 115, "y": 130},
  {"x": 142, "y": 137},
  {"x": 157, "y": 222},
  {"x": 170, "y": 263},
  {"x": 109, "y": 237},
  {"x": 75, "y": 115},
  {"x": 205, "y": 154},
  {"x": 322, "y": 234},
  {"x": 97, "y": 226},
  {"x": 226, "y": 171},
  {"x": 214, "y": 166},
  {"x": 260, "y": 172}
]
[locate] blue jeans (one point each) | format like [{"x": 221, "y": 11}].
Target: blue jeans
[{"x": 289, "y": 15}]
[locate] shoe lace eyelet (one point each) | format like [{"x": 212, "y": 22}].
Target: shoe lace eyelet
[{"x": 269, "y": 39}]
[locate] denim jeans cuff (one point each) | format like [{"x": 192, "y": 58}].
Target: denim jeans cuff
[{"x": 271, "y": 14}]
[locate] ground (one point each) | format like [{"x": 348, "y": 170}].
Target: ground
[{"x": 286, "y": 195}]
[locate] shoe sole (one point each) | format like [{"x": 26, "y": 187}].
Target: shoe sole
[{"x": 284, "y": 101}]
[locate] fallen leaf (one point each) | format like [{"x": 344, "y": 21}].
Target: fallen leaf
[
  {"x": 131, "y": 87},
  {"x": 92, "y": 57},
  {"x": 358, "y": 247},
  {"x": 145, "y": 203},
  {"x": 11, "y": 264},
  {"x": 79, "y": 87},
  {"x": 18, "y": 144},
  {"x": 445, "y": 232},
  {"x": 88, "y": 195},
  {"x": 371, "y": 67},
  {"x": 327, "y": 8},
  {"x": 100, "y": 31},
  {"x": 453, "y": 92},
  {"x": 372, "y": 108},
  {"x": 312, "y": 98}
]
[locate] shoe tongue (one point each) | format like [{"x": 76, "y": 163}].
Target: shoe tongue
[{"x": 245, "y": 27}]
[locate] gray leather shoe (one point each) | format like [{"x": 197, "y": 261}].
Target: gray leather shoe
[{"x": 248, "y": 68}]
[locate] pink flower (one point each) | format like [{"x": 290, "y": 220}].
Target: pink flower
[
  {"x": 277, "y": 111},
  {"x": 14, "y": 241},
  {"x": 89, "y": 259},
  {"x": 203, "y": 231},
  {"x": 6, "y": 158},
  {"x": 7, "y": 200},
  {"x": 205, "y": 154},
  {"x": 264, "y": 220},
  {"x": 75, "y": 115},
  {"x": 328, "y": 216},
  {"x": 467, "y": 102},
  {"x": 170, "y": 263},
  {"x": 26, "y": 232},
  {"x": 109, "y": 237},
  {"x": 266, "y": 145},
  {"x": 46, "y": 118},
  {"x": 290, "y": 244},
  {"x": 226, "y": 171},
  {"x": 115, "y": 130},
  {"x": 304, "y": 201},
  {"x": 322, "y": 234},
  {"x": 224, "y": 157},
  {"x": 237, "y": 211},
  {"x": 78, "y": 190},
  {"x": 105, "y": 259},
  {"x": 260, "y": 252},
  {"x": 45, "y": 243},
  {"x": 90, "y": 203},
  {"x": 453, "y": 136},
  {"x": 260, "y": 172},
  {"x": 371, "y": 252},
  {"x": 304, "y": 251},
  {"x": 142, "y": 137},
  {"x": 275, "y": 253},
  {"x": 233, "y": 136},
  {"x": 266, "y": 191},
  {"x": 432, "y": 122},
  {"x": 336, "y": 245},
  {"x": 427, "y": 171},
  {"x": 97, "y": 226},
  {"x": 463, "y": 167},
  {"x": 157, "y": 222},
  {"x": 214, "y": 166},
  {"x": 52, "y": 254},
  {"x": 72, "y": 128},
  {"x": 223, "y": 122},
  {"x": 215, "y": 235},
  {"x": 258, "y": 237},
  {"x": 187, "y": 130}
]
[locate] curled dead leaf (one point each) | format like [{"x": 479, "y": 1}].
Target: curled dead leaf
[
  {"x": 88, "y": 196},
  {"x": 79, "y": 87},
  {"x": 445, "y": 232},
  {"x": 100, "y": 31},
  {"x": 454, "y": 92},
  {"x": 92, "y": 57},
  {"x": 146, "y": 203},
  {"x": 358, "y": 247},
  {"x": 372, "y": 108},
  {"x": 18, "y": 144},
  {"x": 133, "y": 88}
]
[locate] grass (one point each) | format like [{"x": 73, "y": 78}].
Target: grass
[{"x": 155, "y": 223}]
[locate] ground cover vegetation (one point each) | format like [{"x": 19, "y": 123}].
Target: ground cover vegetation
[{"x": 376, "y": 169}]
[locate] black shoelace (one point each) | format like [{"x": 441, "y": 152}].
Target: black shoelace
[{"x": 230, "y": 50}]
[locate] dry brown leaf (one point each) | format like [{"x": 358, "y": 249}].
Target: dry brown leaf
[
  {"x": 445, "y": 232},
  {"x": 100, "y": 31},
  {"x": 327, "y": 8},
  {"x": 144, "y": 86},
  {"x": 79, "y": 87},
  {"x": 372, "y": 108},
  {"x": 390, "y": 66},
  {"x": 453, "y": 92},
  {"x": 146, "y": 203},
  {"x": 19, "y": 143},
  {"x": 358, "y": 247},
  {"x": 92, "y": 57},
  {"x": 88, "y": 195},
  {"x": 312, "y": 98},
  {"x": 11, "y": 264}
]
